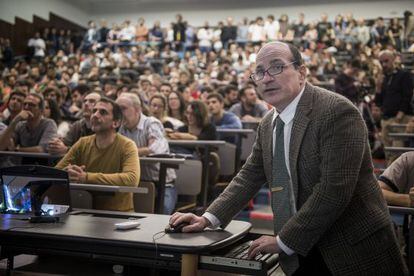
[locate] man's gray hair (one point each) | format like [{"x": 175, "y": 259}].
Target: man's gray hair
[{"x": 136, "y": 102}]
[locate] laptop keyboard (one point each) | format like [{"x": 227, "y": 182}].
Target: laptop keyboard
[{"x": 241, "y": 252}]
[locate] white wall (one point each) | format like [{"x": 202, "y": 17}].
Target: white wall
[
  {"x": 213, "y": 11},
  {"x": 27, "y": 8}
]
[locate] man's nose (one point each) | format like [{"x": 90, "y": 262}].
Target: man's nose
[{"x": 267, "y": 77}]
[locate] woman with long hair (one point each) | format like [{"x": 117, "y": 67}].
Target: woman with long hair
[
  {"x": 158, "y": 108},
  {"x": 176, "y": 107}
]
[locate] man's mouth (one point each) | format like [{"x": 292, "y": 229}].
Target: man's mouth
[{"x": 270, "y": 89}]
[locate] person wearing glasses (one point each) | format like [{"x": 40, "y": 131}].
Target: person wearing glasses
[
  {"x": 312, "y": 152},
  {"x": 29, "y": 131}
]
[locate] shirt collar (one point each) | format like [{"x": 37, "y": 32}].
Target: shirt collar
[
  {"x": 289, "y": 112},
  {"x": 142, "y": 119}
]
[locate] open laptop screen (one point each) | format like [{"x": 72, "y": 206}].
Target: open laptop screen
[{"x": 26, "y": 194}]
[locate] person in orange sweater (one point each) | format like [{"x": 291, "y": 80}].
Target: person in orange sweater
[{"x": 105, "y": 158}]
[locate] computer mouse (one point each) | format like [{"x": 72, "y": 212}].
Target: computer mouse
[{"x": 175, "y": 229}]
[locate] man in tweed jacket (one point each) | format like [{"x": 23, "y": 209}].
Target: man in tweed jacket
[{"x": 342, "y": 225}]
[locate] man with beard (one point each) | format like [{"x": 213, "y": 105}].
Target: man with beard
[
  {"x": 29, "y": 131},
  {"x": 249, "y": 109},
  {"x": 78, "y": 129},
  {"x": 105, "y": 158}
]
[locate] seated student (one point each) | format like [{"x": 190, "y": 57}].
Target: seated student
[
  {"x": 148, "y": 135},
  {"x": 197, "y": 125},
  {"x": 74, "y": 112},
  {"x": 78, "y": 129},
  {"x": 29, "y": 131},
  {"x": 106, "y": 158},
  {"x": 230, "y": 94},
  {"x": 51, "y": 111},
  {"x": 14, "y": 105},
  {"x": 220, "y": 118},
  {"x": 158, "y": 109},
  {"x": 397, "y": 181},
  {"x": 249, "y": 109},
  {"x": 176, "y": 108}
]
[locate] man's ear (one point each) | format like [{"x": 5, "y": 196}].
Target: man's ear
[
  {"x": 302, "y": 74},
  {"x": 116, "y": 124}
]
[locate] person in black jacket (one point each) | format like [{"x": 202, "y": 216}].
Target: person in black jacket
[{"x": 395, "y": 91}]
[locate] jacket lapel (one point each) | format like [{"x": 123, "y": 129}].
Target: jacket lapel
[{"x": 300, "y": 123}]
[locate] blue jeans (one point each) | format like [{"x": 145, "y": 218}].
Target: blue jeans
[{"x": 170, "y": 199}]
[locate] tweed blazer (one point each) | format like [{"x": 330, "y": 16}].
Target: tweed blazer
[{"x": 340, "y": 208}]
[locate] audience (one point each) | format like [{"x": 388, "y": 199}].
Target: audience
[{"x": 174, "y": 69}]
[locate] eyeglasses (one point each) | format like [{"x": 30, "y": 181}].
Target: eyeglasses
[
  {"x": 31, "y": 105},
  {"x": 157, "y": 105},
  {"x": 272, "y": 71}
]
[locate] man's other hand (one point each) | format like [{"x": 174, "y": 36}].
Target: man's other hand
[{"x": 263, "y": 245}]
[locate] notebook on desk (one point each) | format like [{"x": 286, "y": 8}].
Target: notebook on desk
[{"x": 25, "y": 189}]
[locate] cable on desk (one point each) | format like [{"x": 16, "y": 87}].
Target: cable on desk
[{"x": 154, "y": 240}]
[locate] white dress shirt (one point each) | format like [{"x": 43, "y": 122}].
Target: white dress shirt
[{"x": 287, "y": 116}]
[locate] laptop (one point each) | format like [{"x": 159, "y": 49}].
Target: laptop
[{"x": 31, "y": 190}]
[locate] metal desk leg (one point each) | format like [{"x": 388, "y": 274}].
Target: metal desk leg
[
  {"x": 189, "y": 265},
  {"x": 411, "y": 246},
  {"x": 204, "y": 185},
  {"x": 9, "y": 265},
  {"x": 161, "y": 189}
]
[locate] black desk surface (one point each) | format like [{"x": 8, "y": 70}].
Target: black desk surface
[{"x": 92, "y": 234}]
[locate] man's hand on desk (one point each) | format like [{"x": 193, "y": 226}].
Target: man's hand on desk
[
  {"x": 196, "y": 223},
  {"x": 264, "y": 245},
  {"x": 76, "y": 173}
]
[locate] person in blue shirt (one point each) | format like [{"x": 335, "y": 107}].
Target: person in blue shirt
[{"x": 220, "y": 118}]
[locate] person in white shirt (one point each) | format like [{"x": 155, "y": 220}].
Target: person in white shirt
[
  {"x": 271, "y": 28},
  {"x": 38, "y": 44},
  {"x": 205, "y": 36},
  {"x": 256, "y": 31}
]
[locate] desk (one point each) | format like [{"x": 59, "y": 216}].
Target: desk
[
  {"x": 208, "y": 145},
  {"x": 91, "y": 234},
  {"x": 107, "y": 188},
  {"x": 398, "y": 126},
  {"x": 37, "y": 155},
  {"x": 165, "y": 163},
  {"x": 240, "y": 133},
  {"x": 410, "y": 212},
  {"x": 402, "y": 135},
  {"x": 250, "y": 125},
  {"x": 398, "y": 149}
]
